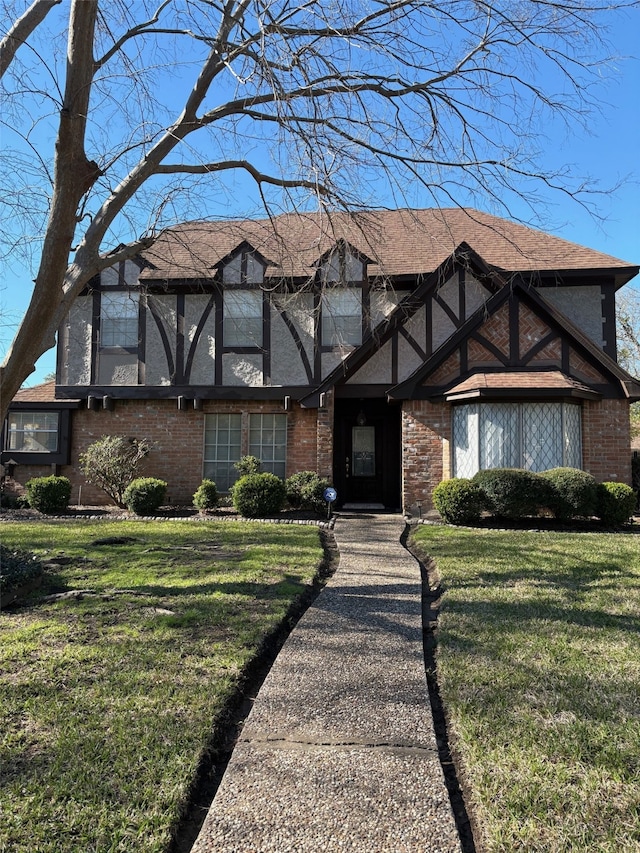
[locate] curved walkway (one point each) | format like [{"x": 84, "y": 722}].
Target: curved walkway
[{"x": 338, "y": 752}]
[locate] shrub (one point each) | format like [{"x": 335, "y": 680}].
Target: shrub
[
  {"x": 511, "y": 492},
  {"x": 458, "y": 501},
  {"x": 111, "y": 463},
  {"x": 616, "y": 503},
  {"x": 258, "y": 494},
  {"x": 573, "y": 493},
  {"x": 305, "y": 490},
  {"x": 17, "y": 569},
  {"x": 144, "y": 495},
  {"x": 206, "y": 496},
  {"x": 248, "y": 465},
  {"x": 48, "y": 494}
]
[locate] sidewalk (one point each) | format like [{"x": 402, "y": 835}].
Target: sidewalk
[{"x": 339, "y": 753}]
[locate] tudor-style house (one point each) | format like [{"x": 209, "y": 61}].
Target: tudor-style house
[{"x": 386, "y": 351}]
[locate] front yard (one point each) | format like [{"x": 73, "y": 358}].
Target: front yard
[
  {"x": 539, "y": 673},
  {"x": 109, "y": 697}
]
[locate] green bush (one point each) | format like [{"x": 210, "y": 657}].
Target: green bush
[
  {"x": 17, "y": 568},
  {"x": 458, "y": 501},
  {"x": 206, "y": 495},
  {"x": 144, "y": 495},
  {"x": 248, "y": 465},
  {"x": 511, "y": 492},
  {"x": 573, "y": 493},
  {"x": 616, "y": 503},
  {"x": 305, "y": 490},
  {"x": 48, "y": 494},
  {"x": 256, "y": 495},
  {"x": 111, "y": 462}
]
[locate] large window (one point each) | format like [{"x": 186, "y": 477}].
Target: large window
[
  {"x": 222, "y": 449},
  {"x": 342, "y": 317},
  {"x": 33, "y": 432},
  {"x": 268, "y": 441},
  {"x": 225, "y": 444},
  {"x": 242, "y": 318},
  {"x": 119, "y": 319},
  {"x": 535, "y": 436}
]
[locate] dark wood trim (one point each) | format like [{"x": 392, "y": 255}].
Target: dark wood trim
[
  {"x": 462, "y": 294},
  {"x": 609, "y": 332},
  {"x": 196, "y": 337},
  {"x": 502, "y": 358},
  {"x": 536, "y": 348},
  {"x": 266, "y": 339},
  {"x": 447, "y": 310},
  {"x": 180, "y": 306},
  {"x": 411, "y": 341},
  {"x": 317, "y": 348},
  {"x": 164, "y": 337},
  {"x": 297, "y": 340},
  {"x": 95, "y": 334},
  {"x": 171, "y": 392},
  {"x": 60, "y": 457},
  {"x": 219, "y": 331},
  {"x": 142, "y": 339},
  {"x": 514, "y": 330}
]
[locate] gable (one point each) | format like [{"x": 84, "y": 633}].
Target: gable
[{"x": 517, "y": 343}]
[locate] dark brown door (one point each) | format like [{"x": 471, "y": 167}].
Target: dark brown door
[{"x": 367, "y": 452}]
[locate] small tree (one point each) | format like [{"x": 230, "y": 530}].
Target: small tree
[{"x": 112, "y": 462}]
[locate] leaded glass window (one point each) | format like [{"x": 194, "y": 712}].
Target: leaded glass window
[{"x": 534, "y": 436}]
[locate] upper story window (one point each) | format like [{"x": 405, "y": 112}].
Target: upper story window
[
  {"x": 242, "y": 318},
  {"x": 33, "y": 432},
  {"x": 342, "y": 317},
  {"x": 243, "y": 268},
  {"x": 119, "y": 311},
  {"x": 342, "y": 275}
]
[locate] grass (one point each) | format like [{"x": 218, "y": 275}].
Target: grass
[
  {"x": 109, "y": 699},
  {"x": 539, "y": 672}
]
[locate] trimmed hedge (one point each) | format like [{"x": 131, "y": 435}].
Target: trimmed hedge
[
  {"x": 144, "y": 495},
  {"x": 459, "y": 501},
  {"x": 206, "y": 496},
  {"x": 256, "y": 495},
  {"x": 616, "y": 503},
  {"x": 49, "y": 494},
  {"x": 512, "y": 492},
  {"x": 305, "y": 490},
  {"x": 573, "y": 493}
]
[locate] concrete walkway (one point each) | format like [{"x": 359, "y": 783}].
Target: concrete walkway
[{"x": 338, "y": 752}]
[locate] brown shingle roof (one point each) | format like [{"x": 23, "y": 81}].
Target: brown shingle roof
[
  {"x": 44, "y": 393},
  {"x": 517, "y": 381},
  {"x": 400, "y": 242}
]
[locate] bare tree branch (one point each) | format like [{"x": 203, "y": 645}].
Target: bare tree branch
[{"x": 22, "y": 29}]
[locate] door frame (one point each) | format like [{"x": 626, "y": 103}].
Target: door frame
[{"x": 386, "y": 417}]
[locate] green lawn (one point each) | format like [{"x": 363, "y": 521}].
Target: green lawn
[
  {"x": 539, "y": 672},
  {"x": 107, "y": 701}
]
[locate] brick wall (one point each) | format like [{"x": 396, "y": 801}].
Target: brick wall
[
  {"x": 606, "y": 440},
  {"x": 426, "y": 433},
  {"x": 178, "y": 443}
]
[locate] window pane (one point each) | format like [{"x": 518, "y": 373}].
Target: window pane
[
  {"x": 222, "y": 449},
  {"x": 572, "y": 435},
  {"x": 541, "y": 436},
  {"x": 268, "y": 441},
  {"x": 243, "y": 318},
  {"x": 119, "y": 319},
  {"x": 33, "y": 432},
  {"x": 465, "y": 440},
  {"x": 342, "y": 317},
  {"x": 499, "y": 435},
  {"x": 363, "y": 449}
]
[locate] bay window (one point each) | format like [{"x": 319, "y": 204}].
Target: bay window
[{"x": 534, "y": 436}]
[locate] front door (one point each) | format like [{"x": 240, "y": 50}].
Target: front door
[{"x": 367, "y": 452}]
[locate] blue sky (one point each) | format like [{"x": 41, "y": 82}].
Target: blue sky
[{"x": 609, "y": 153}]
